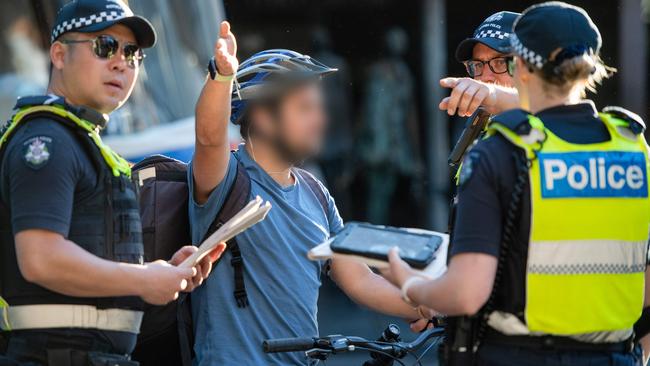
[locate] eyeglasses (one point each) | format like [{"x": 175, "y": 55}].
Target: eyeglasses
[
  {"x": 511, "y": 66},
  {"x": 498, "y": 65},
  {"x": 105, "y": 47}
]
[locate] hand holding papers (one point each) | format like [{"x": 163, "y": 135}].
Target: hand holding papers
[{"x": 254, "y": 212}]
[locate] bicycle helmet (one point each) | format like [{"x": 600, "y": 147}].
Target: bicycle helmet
[{"x": 265, "y": 73}]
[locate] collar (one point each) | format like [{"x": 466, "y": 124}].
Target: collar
[{"x": 578, "y": 111}]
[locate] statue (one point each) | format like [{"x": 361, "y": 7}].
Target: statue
[{"x": 388, "y": 143}]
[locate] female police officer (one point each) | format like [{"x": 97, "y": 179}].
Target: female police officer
[{"x": 567, "y": 189}]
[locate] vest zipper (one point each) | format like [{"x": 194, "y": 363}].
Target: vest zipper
[{"x": 110, "y": 221}]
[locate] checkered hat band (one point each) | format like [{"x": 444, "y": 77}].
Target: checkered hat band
[
  {"x": 527, "y": 54},
  {"x": 492, "y": 34},
  {"x": 82, "y": 22}
]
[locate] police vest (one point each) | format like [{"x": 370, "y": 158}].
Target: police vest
[
  {"x": 107, "y": 224},
  {"x": 590, "y": 218}
]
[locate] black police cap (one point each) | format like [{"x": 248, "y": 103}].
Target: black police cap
[
  {"x": 95, "y": 15},
  {"x": 554, "y": 31},
  {"x": 494, "y": 32}
]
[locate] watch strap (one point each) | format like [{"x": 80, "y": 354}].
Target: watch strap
[{"x": 214, "y": 72}]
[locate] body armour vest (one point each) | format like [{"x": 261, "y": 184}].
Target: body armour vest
[
  {"x": 107, "y": 223},
  {"x": 588, "y": 246}
]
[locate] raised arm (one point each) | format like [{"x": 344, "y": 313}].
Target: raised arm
[{"x": 211, "y": 153}]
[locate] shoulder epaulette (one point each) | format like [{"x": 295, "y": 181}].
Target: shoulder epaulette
[
  {"x": 88, "y": 114},
  {"x": 514, "y": 119},
  {"x": 635, "y": 121},
  {"x": 39, "y": 100}
]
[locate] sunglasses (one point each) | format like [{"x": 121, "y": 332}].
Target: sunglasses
[
  {"x": 498, "y": 65},
  {"x": 105, "y": 47}
]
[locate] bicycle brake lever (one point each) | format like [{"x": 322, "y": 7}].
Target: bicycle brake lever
[{"x": 318, "y": 353}]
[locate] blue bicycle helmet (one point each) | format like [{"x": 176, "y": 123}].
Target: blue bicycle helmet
[{"x": 259, "y": 76}]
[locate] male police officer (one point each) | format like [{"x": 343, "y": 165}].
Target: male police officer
[
  {"x": 553, "y": 211},
  {"x": 72, "y": 279},
  {"x": 485, "y": 54}
]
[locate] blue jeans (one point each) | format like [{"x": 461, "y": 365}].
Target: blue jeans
[{"x": 500, "y": 355}]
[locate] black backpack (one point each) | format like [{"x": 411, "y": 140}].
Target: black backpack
[{"x": 166, "y": 335}]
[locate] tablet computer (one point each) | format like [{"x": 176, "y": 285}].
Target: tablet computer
[{"x": 374, "y": 241}]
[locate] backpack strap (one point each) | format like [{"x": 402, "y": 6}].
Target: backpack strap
[
  {"x": 315, "y": 187},
  {"x": 237, "y": 198}
]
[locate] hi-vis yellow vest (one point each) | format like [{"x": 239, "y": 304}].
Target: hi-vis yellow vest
[
  {"x": 117, "y": 164},
  {"x": 590, "y": 219}
]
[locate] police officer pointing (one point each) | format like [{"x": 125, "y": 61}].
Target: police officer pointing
[
  {"x": 568, "y": 188},
  {"x": 72, "y": 279}
]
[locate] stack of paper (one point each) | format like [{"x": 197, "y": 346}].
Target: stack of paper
[{"x": 254, "y": 212}]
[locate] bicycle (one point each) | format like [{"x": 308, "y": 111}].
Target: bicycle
[{"x": 383, "y": 352}]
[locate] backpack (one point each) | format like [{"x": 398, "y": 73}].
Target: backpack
[{"x": 166, "y": 335}]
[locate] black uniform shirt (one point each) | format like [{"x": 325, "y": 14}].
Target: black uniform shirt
[
  {"x": 41, "y": 188},
  {"x": 486, "y": 188},
  {"x": 46, "y": 172}
]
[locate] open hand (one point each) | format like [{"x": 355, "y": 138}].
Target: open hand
[
  {"x": 466, "y": 96},
  {"x": 225, "y": 51}
]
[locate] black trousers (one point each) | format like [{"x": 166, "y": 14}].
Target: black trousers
[
  {"x": 33, "y": 348},
  {"x": 500, "y": 355}
]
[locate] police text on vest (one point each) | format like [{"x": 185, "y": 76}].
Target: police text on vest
[{"x": 593, "y": 174}]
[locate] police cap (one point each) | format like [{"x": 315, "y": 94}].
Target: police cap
[
  {"x": 554, "y": 31},
  {"x": 95, "y": 15}
]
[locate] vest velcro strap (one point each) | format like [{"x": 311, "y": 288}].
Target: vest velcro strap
[{"x": 70, "y": 316}]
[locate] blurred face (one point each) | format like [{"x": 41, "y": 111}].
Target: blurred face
[
  {"x": 86, "y": 79},
  {"x": 299, "y": 123},
  {"x": 484, "y": 53}
]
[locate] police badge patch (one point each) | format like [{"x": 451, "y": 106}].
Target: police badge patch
[
  {"x": 467, "y": 168},
  {"x": 37, "y": 151}
]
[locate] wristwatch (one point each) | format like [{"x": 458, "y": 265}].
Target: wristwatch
[{"x": 214, "y": 72}]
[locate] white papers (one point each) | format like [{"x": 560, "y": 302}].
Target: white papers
[{"x": 254, "y": 212}]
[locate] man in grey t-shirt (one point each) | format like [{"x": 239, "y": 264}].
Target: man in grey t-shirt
[{"x": 277, "y": 102}]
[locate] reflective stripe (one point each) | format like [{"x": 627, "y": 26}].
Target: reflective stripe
[
  {"x": 509, "y": 324},
  {"x": 117, "y": 164},
  {"x": 4, "y": 323},
  {"x": 587, "y": 256},
  {"x": 70, "y": 316}
]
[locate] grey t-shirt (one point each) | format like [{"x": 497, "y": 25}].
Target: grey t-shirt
[{"x": 281, "y": 282}]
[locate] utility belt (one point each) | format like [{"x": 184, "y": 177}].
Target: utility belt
[
  {"x": 462, "y": 343},
  {"x": 61, "y": 350},
  {"x": 556, "y": 343},
  {"x": 50, "y": 316}
]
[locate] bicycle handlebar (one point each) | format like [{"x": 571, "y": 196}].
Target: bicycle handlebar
[
  {"x": 338, "y": 343},
  {"x": 288, "y": 344}
]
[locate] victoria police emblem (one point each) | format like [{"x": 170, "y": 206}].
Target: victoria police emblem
[
  {"x": 37, "y": 151},
  {"x": 467, "y": 168}
]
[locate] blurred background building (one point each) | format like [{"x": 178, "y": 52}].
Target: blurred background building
[{"x": 386, "y": 156}]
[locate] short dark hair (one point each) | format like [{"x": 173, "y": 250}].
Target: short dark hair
[{"x": 272, "y": 104}]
